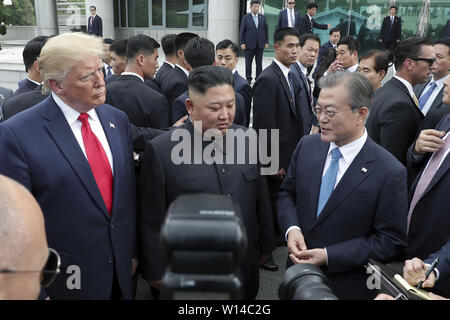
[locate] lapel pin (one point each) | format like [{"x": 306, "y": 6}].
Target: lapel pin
[
  {"x": 112, "y": 125},
  {"x": 364, "y": 170}
]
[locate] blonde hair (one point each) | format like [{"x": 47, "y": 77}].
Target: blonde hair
[{"x": 63, "y": 52}]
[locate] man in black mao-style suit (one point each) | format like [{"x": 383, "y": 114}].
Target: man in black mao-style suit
[
  {"x": 210, "y": 102},
  {"x": 144, "y": 106}
]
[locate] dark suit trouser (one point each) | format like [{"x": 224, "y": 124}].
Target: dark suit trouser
[
  {"x": 388, "y": 45},
  {"x": 249, "y": 54},
  {"x": 274, "y": 187}
]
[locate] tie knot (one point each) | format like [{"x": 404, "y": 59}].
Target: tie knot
[
  {"x": 336, "y": 154},
  {"x": 83, "y": 117},
  {"x": 433, "y": 85}
]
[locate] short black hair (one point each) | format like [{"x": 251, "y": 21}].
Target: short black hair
[
  {"x": 335, "y": 29},
  {"x": 182, "y": 39},
  {"x": 140, "y": 44},
  {"x": 225, "y": 44},
  {"x": 390, "y": 55},
  {"x": 311, "y": 5},
  {"x": 409, "y": 48},
  {"x": 32, "y": 51},
  {"x": 350, "y": 42},
  {"x": 308, "y": 36},
  {"x": 281, "y": 33},
  {"x": 107, "y": 40},
  {"x": 393, "y": 7},
  {"x": 380, "y": 58},
  {"x": 93, "y": 7},
  {"x": 119, "y": 47},
  {"x": 255, "y": 1},
  {"x": 444, "y": 41},
  {"x": 199, "y": 52},
  {"x": 205, "y": 77},
  {"x": 168, "y": 44}
]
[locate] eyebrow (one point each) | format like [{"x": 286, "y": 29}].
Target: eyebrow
[
  {"x": 216, "y": 102},
  {"x": 98, "y": 69}
]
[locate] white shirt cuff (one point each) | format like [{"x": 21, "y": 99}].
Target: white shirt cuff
[{"x": 289, "y": 229}]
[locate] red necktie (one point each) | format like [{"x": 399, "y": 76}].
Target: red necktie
[{"x": 98, "y": 161}]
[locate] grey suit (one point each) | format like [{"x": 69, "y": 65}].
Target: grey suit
[{"x": 162, "y": 181}]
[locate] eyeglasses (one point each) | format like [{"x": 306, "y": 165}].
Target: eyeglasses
[
  {"x": 48, "y": 273},
  {"x": 291, "y": 2},
  {"x": 330, "y": 114},
  {"x": 430, "y": 61}
]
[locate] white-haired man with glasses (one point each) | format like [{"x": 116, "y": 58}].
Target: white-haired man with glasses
[
  {"x": 344, "y": 198},
  {"x": 26, "y": 263}
]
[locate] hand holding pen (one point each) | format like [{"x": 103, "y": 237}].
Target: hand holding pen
[{"x": 415, "y": 270}]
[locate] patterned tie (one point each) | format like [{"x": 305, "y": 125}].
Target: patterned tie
[
  {"x": 291, "y": 13},
  {"x": 423, "y": 99},
  {"x": 427, "y": 176},
  {"x": 392, "y": 21},
  {"x": 108, "y": 73},
  {"x": 311, "y": 22},
  {"x": 416, "y": 102},
  {"x": 329, "y": 180},
  {"x": 291, "y": 86},
  {"x": 100, "y": 166},
  {"x": 255, "y": 18}
]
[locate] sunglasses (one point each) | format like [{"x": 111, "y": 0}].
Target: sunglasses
[
  {"x": 291, "y": 2},
  {"x": 48, "y": 273},
  {"x": 430, "y": 61}
]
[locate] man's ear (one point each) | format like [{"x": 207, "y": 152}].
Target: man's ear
[
  {"x": 189, "y": 106},
  {"x": 140, "y": 60},
  {"x": 56, "y": 87}
]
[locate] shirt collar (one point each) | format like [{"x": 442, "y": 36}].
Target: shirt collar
[
  {"x": 234, "y": 70},
  {"x": 440, "y": 82},
  {"x": 282, "y": 67},
  {"x": 132, "y": 74},
  {"x": 38, "y": 83},
  {"x": 170, "y": 64},
  {"x": 184, "y": 70},
  {"x": 352, "y": 68},
  {"x": 407, "y": 84},
  {"x": 70, "y": 113},
  {"x": 309, "y": 16},
  {"x": 350, "y": 150},
  {"x": 303, "y": 68}
]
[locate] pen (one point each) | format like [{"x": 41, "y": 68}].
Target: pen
[{"x": 433, "y": 266}]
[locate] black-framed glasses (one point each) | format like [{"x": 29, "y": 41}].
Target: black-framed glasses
[
  {"x": 430, "y": 61},
  {"x": 48, "y": 273},
  {"x": 330, "y": 114}
]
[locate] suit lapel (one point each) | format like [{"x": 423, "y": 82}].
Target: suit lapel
[
  {"x": 305, "y": 82},
  {"x": 437, "y": 101},
  {"x": 397, "y": 83},
  {"x": 285, "y": 87},
  {"x": 442, "y": 170},
  {"x": 61, "y": 132},
  {"x": 358, "y": 171}
]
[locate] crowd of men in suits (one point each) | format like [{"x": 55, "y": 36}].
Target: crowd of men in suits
[{"x": 363, "y": 168}]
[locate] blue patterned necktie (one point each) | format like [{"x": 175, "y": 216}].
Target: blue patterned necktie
[
  {"x": 108, "y": 73},
  {"x": 423, "y": 99},
  {"x": 329, "y": 180},
  {"x": 255, "y": 18},
  {"x": 291, "y": 86}
]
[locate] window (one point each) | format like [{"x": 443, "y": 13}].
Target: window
[
  {"x": 157, "y": 13},
  {"x": 138, "y": 13},
  {"x": 177, "y": 13}
]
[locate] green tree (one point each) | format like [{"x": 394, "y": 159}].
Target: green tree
[{"x": 20, "y": 13}]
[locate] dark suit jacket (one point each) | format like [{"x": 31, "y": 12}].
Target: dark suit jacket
[
  {"x": 305, "y": 25},
  {"x": 303, "y": 95},
  {"x": 110, "y": 78},
  {"x": 27, "y": 86},
  {"x": 22, "y": 102},
  {"x": 394, "y": 119},
  {"x": 323, "y": 51},
  {"x": 444, "y": 263},
  {"x": 41, "y": 152},
  {"x": 179, "y": 109},
  {"x": 350, "y": 235},
  {"x": 447, "y": 30},
  {"x": 429, "y": 229},
  {"x": 391, "y": 34},
  {"x": 252, "y": 37},
  {"x": 5, "y": 93},
  {"x": 163, "y": 181},
  {"x": 97, "y": 26},
  {"x": 144, "y": 106},
  {"x": 149, "y": 82},
  {"x": 437, "y": 111},
  {"x": 273, "y": 108},
  {"x": 243, "y": 87},
  {"x": 283, "y": 20},
  {"x": 175, "y": 85},
  {"x": 162, "y": 73}
]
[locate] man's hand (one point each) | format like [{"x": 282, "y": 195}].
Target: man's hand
[
  {"x": 314, "y": 130},
  {"x": 328, "y": 26},
  {"x": 429, "y": 140},
  {"x": 317, "y": 257},
  {"x": 155, "y": 283},
  {"x": 296, "y": 244},
  {"x": 383, "y": 296},
  {"x": 398, "y": 40},
  {"x": 243, "y": 46},
  {"x": 279, "y": 175},
  {"x": 414, "y": 272},
  {"x": 335, "y": 66},
  {"x": 180, "y": 121},
  {"x": 266, "y": 46},
  {"x": 134, "y": 264}
]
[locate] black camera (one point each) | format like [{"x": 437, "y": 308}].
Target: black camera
[
  {"x": 205, "y": 241},
  {"x": 305, "y": 282}
]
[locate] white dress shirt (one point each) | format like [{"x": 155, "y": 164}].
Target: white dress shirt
[
  {"x": 72, "y": 115},
  {"x": 284, "y": 69},
  {"x": 35, "y": 82},
  {"x": 291, "y": 13},
  {"x": 352, "y": 68},
  {"x": 408, "y": 86},
  {"x": 185, "y": 71},
  {"x": 439, "y": 85},
  {"x": 170, "y": 64}
]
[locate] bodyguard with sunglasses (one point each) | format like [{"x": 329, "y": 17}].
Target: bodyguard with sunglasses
[
  {"x": 396, "y": 117},
  {"x": 26, "y": 263},
  {"x": 344, "y": 198}
]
